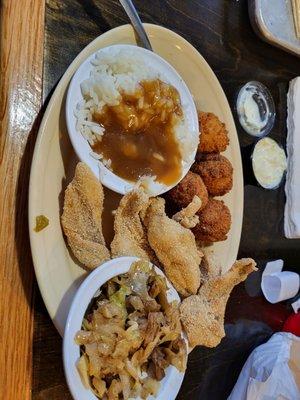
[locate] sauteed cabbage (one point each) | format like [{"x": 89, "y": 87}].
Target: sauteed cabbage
[{"x": 130, "y": 335}]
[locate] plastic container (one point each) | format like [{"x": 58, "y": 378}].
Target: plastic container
[
  {"x": 268, "y": 165},
  {"x": 255, "y": 109}
]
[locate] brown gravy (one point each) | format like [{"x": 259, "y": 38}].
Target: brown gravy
[{"x": 139, "y": 136}]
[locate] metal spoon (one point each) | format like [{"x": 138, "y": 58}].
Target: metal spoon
[{"x": 136, "y": 23}]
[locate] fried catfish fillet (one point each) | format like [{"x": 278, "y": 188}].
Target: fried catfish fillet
[
  {"x": 82, "y": 218},
  {"x": 130, "y": 234},
  {"x": 202, "y": 315},
  {"x": 175, "y": 247}
]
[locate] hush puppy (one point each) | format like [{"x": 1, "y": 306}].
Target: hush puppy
[
  {"x": 214, "y": 222},
  {"x": 183, "y": 193},
  {"x": 214, "y": 135},
  {"x": 216, "y": 172}
]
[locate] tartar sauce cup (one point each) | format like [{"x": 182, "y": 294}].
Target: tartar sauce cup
[
  {"x": 255, "y": 109},
  {"x": 269, "y": 163}
]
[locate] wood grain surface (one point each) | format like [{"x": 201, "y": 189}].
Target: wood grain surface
[
  {"x": 221, "y": 31},
  {"x": 21, "y": 61}
]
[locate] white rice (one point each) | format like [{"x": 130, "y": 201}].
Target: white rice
[{"x": 110, "y": 75}]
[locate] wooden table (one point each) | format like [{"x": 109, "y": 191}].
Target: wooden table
[{"x": 38, "y": 41}]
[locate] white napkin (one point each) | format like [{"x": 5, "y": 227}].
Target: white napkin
[{"x": 292, "y": 186}]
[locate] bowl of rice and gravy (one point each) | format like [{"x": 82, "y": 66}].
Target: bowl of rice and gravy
[{"x": 132, "y": 119}]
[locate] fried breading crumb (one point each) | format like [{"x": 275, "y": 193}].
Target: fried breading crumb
[{"x": 187, "y": 216}]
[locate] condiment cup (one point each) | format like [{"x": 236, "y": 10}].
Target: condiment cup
[
  {"x": 263, "y": 92},
  {"x": 169, "y": 385},
  {"x": 283, "y": 174},
  {"x": 82, "y": 147},
  {"x": 280, "y": 286}
]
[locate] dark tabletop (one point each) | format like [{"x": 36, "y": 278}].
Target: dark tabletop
[{"x": 220, "y": 30}]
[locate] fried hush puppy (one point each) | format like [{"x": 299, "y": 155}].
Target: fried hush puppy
[
  {"x": 214, "y": 135},
  {"x": 216, "y": 172},
  {"x": 214, "y": 222},
  {"x": 183, "y": 193}
]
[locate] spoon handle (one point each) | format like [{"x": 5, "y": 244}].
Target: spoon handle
[{"x": 136, "y": 23}]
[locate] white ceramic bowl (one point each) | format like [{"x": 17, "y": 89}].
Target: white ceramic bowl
[
  {"x": 170, "y": 384},
  {"x": 81, "y": 146}
]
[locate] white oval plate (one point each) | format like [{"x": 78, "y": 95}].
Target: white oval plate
[
  {"x": 170, "y": 384},
  {"x": 82, "y": 147},
  {"x": 54, "y": 160}
]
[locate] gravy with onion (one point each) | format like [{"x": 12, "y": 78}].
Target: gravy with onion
[{"x": 139, "y": 135}]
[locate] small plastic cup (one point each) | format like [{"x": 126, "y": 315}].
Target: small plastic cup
[
  {"x": 280, "y": 286},
  {"x": 260, "y": 183},
  {"x": 260, "y": 97}
]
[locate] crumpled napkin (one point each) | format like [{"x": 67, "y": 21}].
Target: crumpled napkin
[{"x": 271, "y": 371}]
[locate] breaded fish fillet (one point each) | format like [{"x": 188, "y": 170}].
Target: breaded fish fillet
[
  {"x": 130, "y": 235},
  {"x": 175, "y": 248},
  {"x": 82, "y": 218},
  {"x": 202, "y": 315}
]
